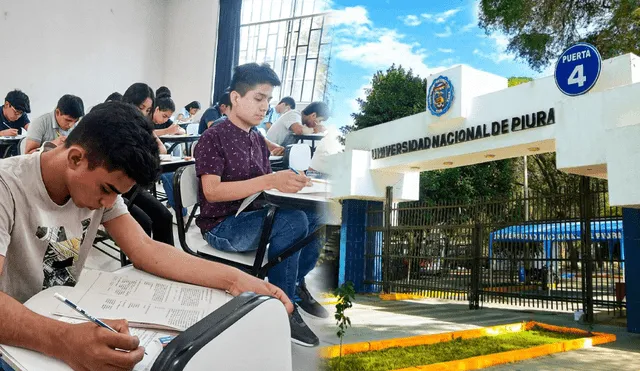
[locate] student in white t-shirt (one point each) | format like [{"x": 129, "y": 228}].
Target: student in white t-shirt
[
  {"x": 292, "y": 123},
  {"x": 53, "y": 204}
]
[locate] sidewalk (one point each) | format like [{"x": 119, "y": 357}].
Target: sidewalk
[{"x": 374, "y": 319}]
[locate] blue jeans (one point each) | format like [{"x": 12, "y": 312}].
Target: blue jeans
[
  {"x": 4, "y": 366},
  {"x": 242, "y": 233},
  {"x": 167, "y": 184}
]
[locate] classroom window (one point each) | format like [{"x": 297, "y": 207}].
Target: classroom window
[{"x": 292, "y": 37}]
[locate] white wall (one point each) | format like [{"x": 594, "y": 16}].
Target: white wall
[
  {"x": 192, "y": 29},
  {"x": 89, "y": 48}
]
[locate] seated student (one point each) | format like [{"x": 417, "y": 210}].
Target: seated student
[
  {"x": 161, "y": 117},
  {"x": 14, "y": 113},
  {"x": 295, "y": 123},
  {"x": 114, "y": 97},
  {"x": 188, "y": 113},
  {"x": 163, "y": 91},
  {"x": 55, "y": 126},
  {"x": 214, "y": 114},
  {"x": 65, "y": 194},
  {"x": 266, "y": 122},
  {"x": 13, "y": 117},
  {"x": 141, "y": 96},
  {"x": 164, "y": 126},
  {"x": 148, "y": 211},
  {"x": 285, "y": 105},
  {"x": 232, "y": 162}
]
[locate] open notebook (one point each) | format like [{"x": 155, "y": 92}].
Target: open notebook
[{"x": 146, "y": 301}]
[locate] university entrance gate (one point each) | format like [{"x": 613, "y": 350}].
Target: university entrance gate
[
  {"x": 560, "y": 252},
  {"x": 565, "y": 251}
]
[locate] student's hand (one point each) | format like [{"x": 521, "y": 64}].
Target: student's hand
[
  {"x": 9, "y": 132},
  {"x": 174, "y": 129},
  {"x": 87, "y": 346},
  {"x": 319, "y": 129},
  {"x": 278, "y": 151},
  {"x": 289, "y": 182},
  {"x": 59, "y": 141},
  {"x": 245, "y": 282}
]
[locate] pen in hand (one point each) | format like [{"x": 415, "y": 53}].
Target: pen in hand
[{"x": 85, "y": 314}]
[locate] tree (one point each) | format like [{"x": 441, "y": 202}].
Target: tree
[
  {"x": 539, "y": 31},
  {"x": 513, "y": 81},
  {"x": 466, "y": 184},
  {"x": 394, "y": 94}
]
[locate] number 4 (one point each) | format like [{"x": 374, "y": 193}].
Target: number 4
[{"x": 577, "y": 76}]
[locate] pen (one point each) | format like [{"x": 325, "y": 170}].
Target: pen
[
  {"x": 85, "y": 314},
  {"x": 5, "y": 124},
  {"x": 294, "y": 170}
]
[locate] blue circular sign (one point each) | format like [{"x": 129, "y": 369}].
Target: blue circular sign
[{"x": 578, "y": 69}]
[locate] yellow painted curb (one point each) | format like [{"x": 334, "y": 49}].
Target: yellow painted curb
[
  {"x": 479, "y": 362},
  {"x": 328, "y": 302},
  {"x": 432, "y": 294}
]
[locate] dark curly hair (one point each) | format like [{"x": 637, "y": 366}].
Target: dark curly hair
[{"x": 117, "y": 136}]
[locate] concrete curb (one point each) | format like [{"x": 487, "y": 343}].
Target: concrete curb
[
  {"x": 479, "y": 362},
  {"x": 432, "y": 294}
]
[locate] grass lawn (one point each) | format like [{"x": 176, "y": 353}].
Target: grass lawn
[{"x": 395, "y": 358}]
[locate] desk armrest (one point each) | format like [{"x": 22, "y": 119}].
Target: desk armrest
[{"x": 250, "y": 332}]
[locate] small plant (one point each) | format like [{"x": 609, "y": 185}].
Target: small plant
[{"x": 344, "y": 293}]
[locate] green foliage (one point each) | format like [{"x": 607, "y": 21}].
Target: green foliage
[
  {"x": 513, "y": 81},
  {"x": 344, "y": 294},
  {"x": 540, "y": 30},
  {"x": 404, "y": 357},
  {"x": 464, "y": 184},
  {"x": 394, "y": 94}
]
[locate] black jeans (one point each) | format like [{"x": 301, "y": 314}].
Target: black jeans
[{"x": 152, "y": 215}]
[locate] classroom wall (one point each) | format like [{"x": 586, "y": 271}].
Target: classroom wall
[
  {"x": 192, "y": 28},
  {"x": 85, "y": 47}
]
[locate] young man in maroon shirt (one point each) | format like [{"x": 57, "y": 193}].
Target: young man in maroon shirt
[{"x": 232, "y": 161}]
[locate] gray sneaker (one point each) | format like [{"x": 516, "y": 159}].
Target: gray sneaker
[
  {"x": 307, "y": 303},
  {"x": 301, "y": 333}
]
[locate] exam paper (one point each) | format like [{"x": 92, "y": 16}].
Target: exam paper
[
  {"x": 317, "y": 186},
  {"x": 29, "y": 360},
  {"x": 145, "y": 302}
]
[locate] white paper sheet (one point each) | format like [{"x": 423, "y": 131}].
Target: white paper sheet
[
  {"x": 28, "y": 360},
  {"x": 247, "y": 201},
  {"x": 144, "y": 302}
]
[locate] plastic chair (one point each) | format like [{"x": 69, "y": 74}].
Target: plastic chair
[
  {"x": 22, "y": 146},
  {"x": 192, "y": 129},
  {"x": 296, "y": 156},
  {"x": 185, "y": 188}
]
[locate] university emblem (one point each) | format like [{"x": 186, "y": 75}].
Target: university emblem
[{"x": 440, "y": 96}]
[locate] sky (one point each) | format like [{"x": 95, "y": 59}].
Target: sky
[{"x": 425, "y": 35}]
